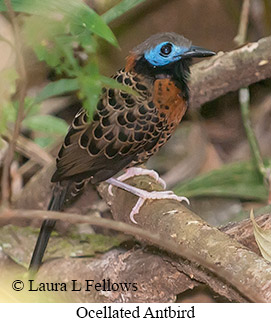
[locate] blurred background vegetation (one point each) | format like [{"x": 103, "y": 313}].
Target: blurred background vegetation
[{"x": 70, "y": 48}]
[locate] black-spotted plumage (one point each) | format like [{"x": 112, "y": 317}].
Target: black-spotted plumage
[{"x": 126, "y": 129}]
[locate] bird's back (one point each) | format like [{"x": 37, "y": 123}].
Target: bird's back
[{"x": 126, "y": 129}]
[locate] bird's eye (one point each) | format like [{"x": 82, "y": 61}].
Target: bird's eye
[{"x": 166, "y": 49}]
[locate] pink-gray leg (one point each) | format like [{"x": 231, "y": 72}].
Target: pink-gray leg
[{"x": 144, "y": 195}]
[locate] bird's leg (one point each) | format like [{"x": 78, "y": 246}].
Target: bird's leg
[
  {"x": 136, "y": 171},
  {"x": 144, "y": 195}
]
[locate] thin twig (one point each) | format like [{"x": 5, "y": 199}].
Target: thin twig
[
  {"x": 4, "y": 39},
  {"x": 253, "y": 143},
  {"x": 244, "y": 99},
  {"x": 30, "y": 149},
  {"x": 243, "y": 24},
  {"x": 22, "y": 86}
]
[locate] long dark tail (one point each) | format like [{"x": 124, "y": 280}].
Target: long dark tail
[{"x": 55, "y": 204}]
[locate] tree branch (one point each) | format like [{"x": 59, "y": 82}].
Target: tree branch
[
  {"x": 217, "y": 252},
  {"x": 161, "y": 263},
  {"x": 230, "y": 71},
  {"x": 30, "y": 149},
  {"x": 178, "y": 230}
]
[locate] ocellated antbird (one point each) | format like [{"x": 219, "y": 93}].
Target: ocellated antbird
[{"x": 126, "y": 129}]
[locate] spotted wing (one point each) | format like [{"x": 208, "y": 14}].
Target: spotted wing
[{"x": 124, "y": 129}]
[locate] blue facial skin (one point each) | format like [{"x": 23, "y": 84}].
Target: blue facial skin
[{"x": 156, "y": 58}]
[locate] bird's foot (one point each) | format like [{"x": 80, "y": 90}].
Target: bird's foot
[
  {"x": 137, "y": 171},
  {"x": 155, "y": 195},
  {"x": 145, "y": 195}
]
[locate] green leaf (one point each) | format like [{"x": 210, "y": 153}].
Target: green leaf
[
  {"x": 240, "y": 180},
  {"x": 90, "y": 20},
  {"x": 44, "y": 142},
  {"x": 90, "y": 89},
  {"x": 36, "y": 7},
  {"x": 46, "y": 124},
  {"x": 56, "y": 88},
  {"x": 44, "y": 42},
  {"x": 8, "y": 78},
  {"x": 74, "y": 11},
  {"x": 86, "y": 40},
  {"x": 31, "y": 106},
  {"x": 18, "y": 242},
  {"x": 262, "y": 237},
  {"x": 120, "y": 9},
  {"x": 90, "y": 86},
  {"x": 8, "y": 113}
]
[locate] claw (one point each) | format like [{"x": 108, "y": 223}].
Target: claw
[
  {"x": 155, "y": 195},
  {"x": 110, "y": 190},
  {"x": 143, "y": 195}
]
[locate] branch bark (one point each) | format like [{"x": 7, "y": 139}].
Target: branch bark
[
  {"x": 218, "y": 253},
  {"x": 219, "y": 261},
  {"x": 230, "y": 71},
  {"x": 31, "y": 150}
]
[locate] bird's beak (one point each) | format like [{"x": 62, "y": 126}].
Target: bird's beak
[{"x": 196, "y": 51}]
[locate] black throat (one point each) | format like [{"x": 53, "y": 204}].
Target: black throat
[{"x": 178, "y": 72}]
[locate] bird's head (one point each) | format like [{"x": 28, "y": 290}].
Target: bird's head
[
  {"x": 166, "y": 55},
  {"x": 161, "y": 52}
]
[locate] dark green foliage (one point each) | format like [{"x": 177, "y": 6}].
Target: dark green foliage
[
  {"x": 241, "y": 180},
  {"x": 55, "y": 30}
]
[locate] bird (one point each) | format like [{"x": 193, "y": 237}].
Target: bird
[{"x": 126, "y": 129}]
